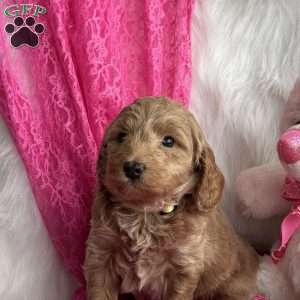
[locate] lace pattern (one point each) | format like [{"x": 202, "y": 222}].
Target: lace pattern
[{"x": 93, "y": 58}]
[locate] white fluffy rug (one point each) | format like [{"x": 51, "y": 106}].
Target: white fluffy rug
[
  {"x": 29, "y": 267},
  {"x": 246, "y": 57}
]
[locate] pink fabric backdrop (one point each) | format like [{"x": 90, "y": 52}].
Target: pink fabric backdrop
[{"x": 94, "y": 57}]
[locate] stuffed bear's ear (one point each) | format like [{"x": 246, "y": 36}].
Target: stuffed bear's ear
[{"x": 210, "y": 181}]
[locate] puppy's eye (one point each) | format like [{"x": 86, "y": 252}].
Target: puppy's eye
[
  {"x": 168, "y": 141},
  {"x": 121, "y": 136}
]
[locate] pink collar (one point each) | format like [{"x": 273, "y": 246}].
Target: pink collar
[{"x": 291, "y": 192}]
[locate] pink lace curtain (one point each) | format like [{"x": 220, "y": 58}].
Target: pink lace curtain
[{"x": 93, "y": 57}]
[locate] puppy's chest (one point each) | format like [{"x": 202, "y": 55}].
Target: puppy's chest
[{"x": 142, "y": 269}]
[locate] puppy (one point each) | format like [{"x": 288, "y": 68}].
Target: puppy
[{"x": 157, "y": 230}]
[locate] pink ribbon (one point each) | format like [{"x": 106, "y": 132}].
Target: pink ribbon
[
  {"x": 290, "y": 224},
  {"x": 291, "y": 190}
]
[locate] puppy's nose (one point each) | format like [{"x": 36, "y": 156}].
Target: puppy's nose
[{"x": 133, "y": 169}]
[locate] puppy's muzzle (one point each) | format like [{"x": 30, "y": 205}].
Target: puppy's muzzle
[{"x": 133, "y": 170}]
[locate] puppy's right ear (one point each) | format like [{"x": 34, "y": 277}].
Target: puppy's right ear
[{"x": 102, "y": 157}]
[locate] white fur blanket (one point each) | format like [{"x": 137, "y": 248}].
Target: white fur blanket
[{"x": 246, "y": 58}]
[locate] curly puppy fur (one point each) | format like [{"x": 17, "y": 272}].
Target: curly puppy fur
[{"x": 190, "y": 253}]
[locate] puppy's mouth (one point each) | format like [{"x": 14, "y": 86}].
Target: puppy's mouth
[
  {"x": 134, "y": 188},
  {"x": 137, "y": 195}
]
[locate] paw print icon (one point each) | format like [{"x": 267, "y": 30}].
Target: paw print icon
[{"x": 24, "y": 33}]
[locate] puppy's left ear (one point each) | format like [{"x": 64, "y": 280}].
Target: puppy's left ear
[
  {"x": 210, "y": 180},
  {"x": 208, "y": 190}
]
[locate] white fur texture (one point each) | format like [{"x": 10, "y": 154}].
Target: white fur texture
[
  {"x": 273, "y": 282},
  {"x": 29, "y": 266},
  {"x": 246, "y": 57},
  {"x": 282, "y": 281}
]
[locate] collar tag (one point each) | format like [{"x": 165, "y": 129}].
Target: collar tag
[{"x": 167, "y": 209}]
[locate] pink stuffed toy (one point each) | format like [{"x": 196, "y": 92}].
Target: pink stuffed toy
[{"x": 274, "y": 190}]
